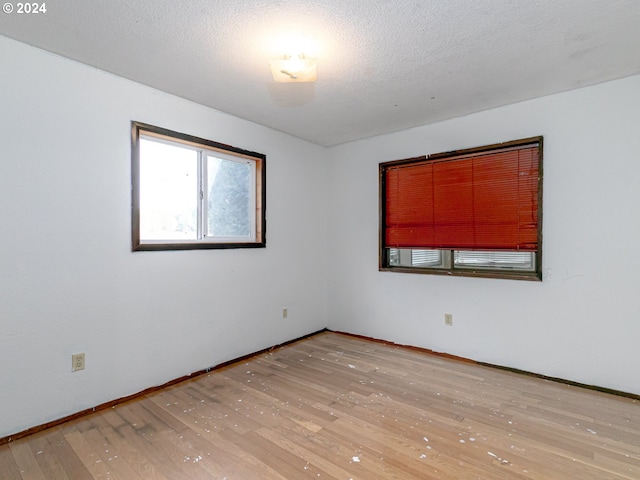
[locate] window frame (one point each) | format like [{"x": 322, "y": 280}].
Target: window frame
[
  {"x": 384, "y": 260},
  {"x": 138, "y": 130}
]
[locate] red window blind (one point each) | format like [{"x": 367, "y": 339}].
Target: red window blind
[{"x": 480, "y": 201}]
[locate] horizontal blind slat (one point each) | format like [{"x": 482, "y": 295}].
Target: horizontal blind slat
[{"x": 487, "y": 201}]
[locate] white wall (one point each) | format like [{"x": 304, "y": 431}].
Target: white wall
[
  {"x": 582, "y": 322},
  {"x": 68, "y": 280}
]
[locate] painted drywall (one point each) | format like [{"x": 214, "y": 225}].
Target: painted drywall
[
  {"x": 68, "y": 280},
  {"x": 581, "y": 323}
]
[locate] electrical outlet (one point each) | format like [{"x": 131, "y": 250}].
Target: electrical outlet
[
  {"x": 448, "y": 319},
  {"x": 77, "y": 362},
  {"x": 285, "y": 312}
]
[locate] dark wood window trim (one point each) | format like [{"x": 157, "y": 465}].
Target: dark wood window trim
[
  {"x": 385, "y": 263},
  {"x": 138, "y": 128}
]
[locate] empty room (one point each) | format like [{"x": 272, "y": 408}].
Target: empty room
[{"x": 320, "y": 239}]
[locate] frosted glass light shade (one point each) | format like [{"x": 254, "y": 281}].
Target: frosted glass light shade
[{"x": 296, "y": 68}]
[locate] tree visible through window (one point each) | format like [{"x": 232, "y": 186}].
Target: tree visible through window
[
  {"x": 229, "y": 200},
  {"x": 194, "y": 193}
]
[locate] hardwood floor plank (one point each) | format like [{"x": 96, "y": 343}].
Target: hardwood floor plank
[
  {"x": 92, "y": 460},
  {"x": 26, "y": 462},
  {"x": 339, "y": 407},
  {"x": 284, "y": 462},
  {"x": 47, "y": 459},
  {"x": 154, "y": 450},
  {"x": 288, "y": 397},
  {"x": 298, "y": 446},
  {"x": 140, "y": 463},
  {"x": 8, "y": 465},
  {"x": 60, "y": 448}
]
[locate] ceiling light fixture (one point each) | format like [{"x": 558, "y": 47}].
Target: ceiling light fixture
[{"x": 294, "y": 68}]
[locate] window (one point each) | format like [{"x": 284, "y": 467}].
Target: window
[
  {"x": 474, "y": 212},
  {"x": 191, "y": 193}
]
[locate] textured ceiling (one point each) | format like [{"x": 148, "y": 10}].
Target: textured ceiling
[{"x": 382, "y": 65}]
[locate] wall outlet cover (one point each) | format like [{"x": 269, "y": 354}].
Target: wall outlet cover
[{"x": 77, "y": 362}]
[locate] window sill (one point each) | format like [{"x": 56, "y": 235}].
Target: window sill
[
  {"x": 195, "y": 246},
  {"x": 530, "y": 276}
]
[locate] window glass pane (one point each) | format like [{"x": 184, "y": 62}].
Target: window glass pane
[
  {"x": 229, "y": 212},
  {"x": 524, "y": 261},
  {"x": 168, "y": 191},
  {"x": 394, "y": 257},
  {"x": 426, "y": 258},
  {"x": 420, "y": 258}
]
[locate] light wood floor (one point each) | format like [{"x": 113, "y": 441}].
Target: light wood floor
[{"x": 337, "y": 407}]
